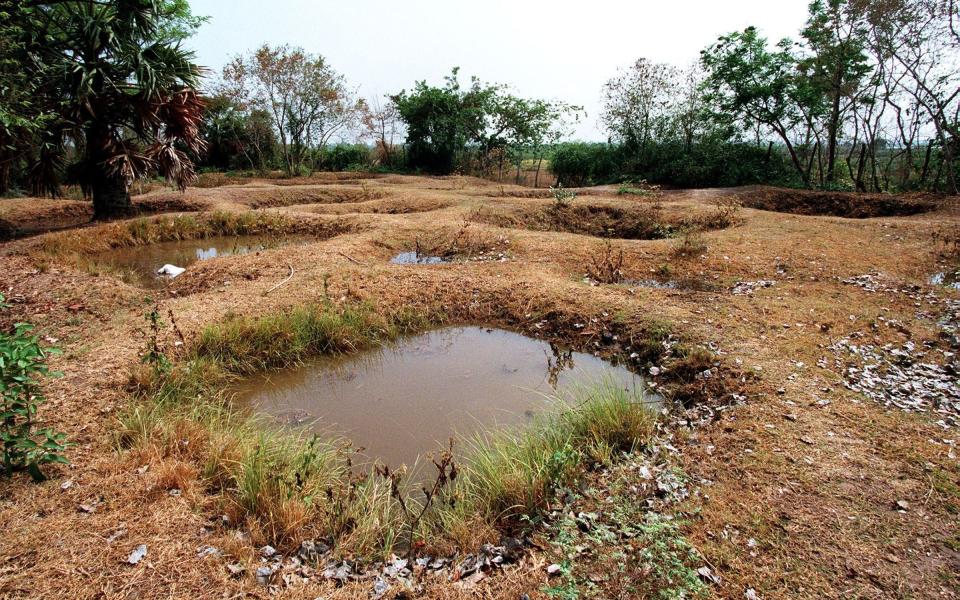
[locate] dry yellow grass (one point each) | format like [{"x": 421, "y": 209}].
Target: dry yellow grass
[{"x": 821, "y": 513}]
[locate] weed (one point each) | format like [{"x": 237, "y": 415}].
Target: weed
[
  {"x": 154, "y": 356},
  {"x": 640, "y": 188},
  {"x": 607, "y": 268},
  {"x": 562, "y": 197},
  {"x": 246, "y": 345},
  {"x": 26, "y": 447},
  {"x": 690, "y": 245},
  {"x": 414, "y": 513}
]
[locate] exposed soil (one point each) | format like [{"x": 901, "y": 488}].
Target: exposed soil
[
  {"x": 26, "y": 216},
  {"x": 636, "y": 222},
  {"x": 837, "y": 204},
  {"x": 804, "y": 488}
]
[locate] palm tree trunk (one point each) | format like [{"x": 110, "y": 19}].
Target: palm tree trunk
[{"x": 111, "y": 198}]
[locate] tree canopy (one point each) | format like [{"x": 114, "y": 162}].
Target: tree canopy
[{"x": 107, "y": 83}]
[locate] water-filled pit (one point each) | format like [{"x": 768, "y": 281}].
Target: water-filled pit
[
  {"x": 950, "y": 279},
  {"x": 141, "y": 263},
  {"x": 415, "y": 258},
  {"x": 407, "y": 399}
]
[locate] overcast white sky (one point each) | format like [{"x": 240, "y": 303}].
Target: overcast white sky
[{"x": 558, "y": 49}]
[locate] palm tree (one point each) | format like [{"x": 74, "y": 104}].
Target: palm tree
[{"x": 116, "y": 88}]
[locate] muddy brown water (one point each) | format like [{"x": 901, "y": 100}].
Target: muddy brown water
[
  {"x": 139, "y": 264},
  {"x": 405, "y": 400}
]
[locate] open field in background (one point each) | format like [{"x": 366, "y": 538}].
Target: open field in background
[{"x": 768, "y": 471}]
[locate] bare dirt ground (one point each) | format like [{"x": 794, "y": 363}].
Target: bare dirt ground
[{"x": 804, "y": 488}]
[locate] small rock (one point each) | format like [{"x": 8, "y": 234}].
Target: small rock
[
  {"x": 206, "y": 551},
  {"x": 790, "y": 417},
  {"x": 66, "y": 485},
  {"x": 751, "y": 594},
  {"x": 137, "y": 555},
  {"x": 87, "y": 508},
  {"x": 264, "y": 574},
  {"x": 268, "y": 551},
  {"x": 654, "y": 371},
  {"x": 807, "y": 441},
  {"x": 903, "y": 505},
  {"x": 380, "y": 587},
  {"x": 707, "y": 575},
  {"x": 553, "y": 569},
  {"x": 236, "y": 569}
]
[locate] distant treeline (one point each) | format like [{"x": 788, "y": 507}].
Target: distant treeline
[{"x": 866, "y": 98}]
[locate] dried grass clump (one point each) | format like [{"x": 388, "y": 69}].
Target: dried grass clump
[
  {"x": 608, "y": 267},
  {"x": 690, "y": 245}
]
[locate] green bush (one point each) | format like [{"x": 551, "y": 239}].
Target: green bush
[
  {"x": 344, "y": 157},
  {"x": 577, "y": 164},
  {"x": 671, "y": 163},
  {"x": 25, "y": 446}
]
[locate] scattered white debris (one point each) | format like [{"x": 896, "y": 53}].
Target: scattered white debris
[
  {"x": 170, "y": 271},
  {"x": 746, "y": 288},
  {"x": 137, "y": 555}
]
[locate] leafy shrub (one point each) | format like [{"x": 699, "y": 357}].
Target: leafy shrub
[
  {"x": 580, "y": 163},
  {"x": 344, "y": 157},
  {"x": 562, "y": 197},
  {"x": 25, "y": 446},
  {"x": 673, "y": 163}
]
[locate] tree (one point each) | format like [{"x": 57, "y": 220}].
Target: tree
[
  {"x": 436, "y": 133},
  {"x": 306, "y": 98},
  {"x": 111, "y": 80},
  {"x": 381, "y": 123},
  {"x": 919, "y": 38},
  {"x": 445, "y": 125},
  {"x": 836, "y": 38},
  {"x": 236, "y": 137},
  {"x": 639, "y": 103},
  {"x": 749, "y": 83}
]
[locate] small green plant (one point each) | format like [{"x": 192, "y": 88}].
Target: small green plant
[
  {"x": 640, "y": 188},
  {"x": 562, "y": 197},
  {"x": 26, "y": 447},
  {"x": 155, "y": 357}
]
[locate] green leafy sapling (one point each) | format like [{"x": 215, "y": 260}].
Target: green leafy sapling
[{"x": 25, "y": 445}]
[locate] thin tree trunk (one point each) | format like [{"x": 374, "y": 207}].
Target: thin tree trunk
[
  {"x": 536, "y": 178},
  {"x": 925, "y": 170},
  {"x": 861, "y": 165}
]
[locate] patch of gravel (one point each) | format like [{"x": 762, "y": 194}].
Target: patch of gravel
[
  {"x": 903, "y": 377},
  {"x": 911, "y": 377}
]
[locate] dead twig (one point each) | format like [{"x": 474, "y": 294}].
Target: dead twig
[
  {"x": 351, "y": 259},
  {"x": 284, "y": 282}
]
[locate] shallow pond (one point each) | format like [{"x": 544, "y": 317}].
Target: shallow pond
[
  {"x": 140, "y": 263},
  {"x": 415, "y": 258},
  {"x": 949, "y": 279},
  {"x": 407, "y": 399}
]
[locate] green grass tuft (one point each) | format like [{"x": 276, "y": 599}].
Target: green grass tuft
[{"x": 286, "y": 486}]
